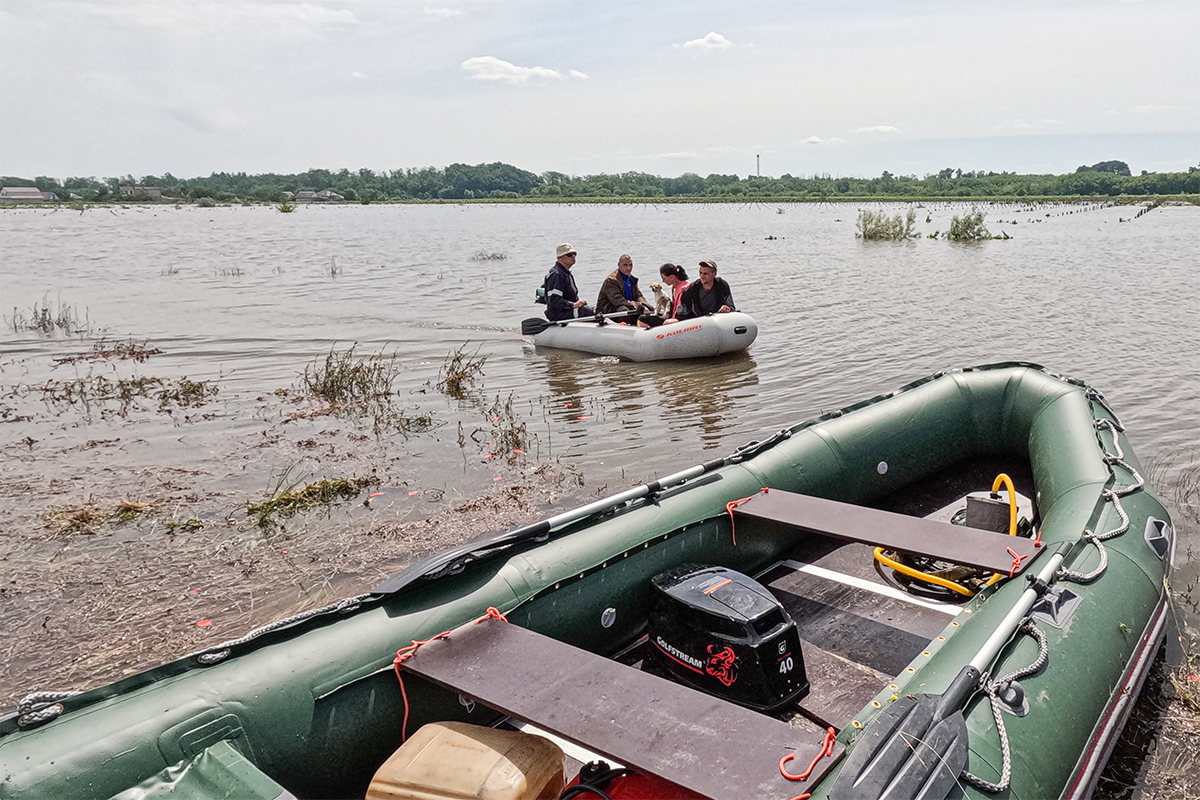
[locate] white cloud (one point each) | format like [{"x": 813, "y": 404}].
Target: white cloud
[
  {"x": 682, "y": 155},
  {"x": 444, "y": 12},
  {"x": 358, "y": 75},
  {"x": 577, "y": 74},
  {"x": 882, "y": 129},
  {"x": 713, "y": 41},
  {"x": 490, "y": 68},
  {"x": 813, "y": 140}
]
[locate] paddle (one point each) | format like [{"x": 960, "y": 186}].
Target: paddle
[
  {"x": 535, "y": 325},
  {"x": 918, "y": 747}
]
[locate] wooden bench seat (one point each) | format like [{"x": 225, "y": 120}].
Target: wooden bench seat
[
  {"x": 652, "y": 725},
  {"x": 956, "y": 544}
]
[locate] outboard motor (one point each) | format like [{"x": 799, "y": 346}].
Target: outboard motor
[{"x": 722, "y": 632}]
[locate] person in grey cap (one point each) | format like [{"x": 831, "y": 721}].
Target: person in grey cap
[
  {"x": 709, "y": 295},
  {"x": 562, "y": 296}
]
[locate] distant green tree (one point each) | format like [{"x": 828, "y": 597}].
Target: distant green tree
[{"x": 1115, "y": 167}]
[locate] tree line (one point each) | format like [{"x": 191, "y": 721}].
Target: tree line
[{"x": 504, "y": 181}]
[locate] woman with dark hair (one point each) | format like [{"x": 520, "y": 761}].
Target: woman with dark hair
[{"x": 676, "y": 278}]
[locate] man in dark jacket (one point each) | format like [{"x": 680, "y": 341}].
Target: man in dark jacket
[
  {"x": 562, "y": 298},
  {"x": 619, "y": 293},
  {"x": 709, "y": 295}
]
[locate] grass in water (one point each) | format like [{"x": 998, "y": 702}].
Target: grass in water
[
  {"x": 877, "y": 226},
  {"x": 106, "y": 350},
  {"x": 459, "y": 372},
  {"x": 99, "y": 390},
  {"x": 363, "y": 386},
  {"x": 86, "y": 518},
  {"x": 49, "y": 322},
  {"x": 287, "y": 499},
  {"x": 509, "y": 435}
]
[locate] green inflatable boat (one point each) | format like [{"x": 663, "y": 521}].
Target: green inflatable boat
[{"x": 954, "y": 589}]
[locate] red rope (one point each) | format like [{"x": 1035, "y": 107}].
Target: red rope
[
  {"x": 826, "y": 750},
  {"x": 1016, "y": 564},
  {"x": 730, "y": 506},
  {"x": 405, "y": 653}
]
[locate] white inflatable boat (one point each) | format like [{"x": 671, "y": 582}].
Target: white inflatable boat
[{"x": 700, "y": 337}]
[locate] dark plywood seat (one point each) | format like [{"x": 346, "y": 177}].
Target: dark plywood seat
[
  {"x": 957, "y": 544},
  {"x": 712, "y": 747}
]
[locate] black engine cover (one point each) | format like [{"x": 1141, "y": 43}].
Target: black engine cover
[{"x": 722, "y": 632}]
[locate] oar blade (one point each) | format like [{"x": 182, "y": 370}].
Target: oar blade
[
  {"x": 533, "y": 326},
  {"x": 906, "y": 753}
]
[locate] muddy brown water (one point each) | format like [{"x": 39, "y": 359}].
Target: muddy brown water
[{"x": 244, "y": 299}]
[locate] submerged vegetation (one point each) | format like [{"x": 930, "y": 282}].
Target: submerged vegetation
[
  {"x": 354, "y": 386},
  {"x": 288, "y": 498},
  {"x": 88, "y": 517},
  {"x": 100, "y": 390}
]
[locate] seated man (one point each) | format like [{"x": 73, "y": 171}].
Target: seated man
[
  {"x": 562, "y": 297},
  {"x": 619, "y": 294},
  {"x": 709, "y": 295}
]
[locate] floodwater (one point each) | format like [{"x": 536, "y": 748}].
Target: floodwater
[{"x": 247, "y": 298}]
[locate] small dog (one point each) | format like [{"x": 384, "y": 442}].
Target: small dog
[{"x": 662, "y": 303}]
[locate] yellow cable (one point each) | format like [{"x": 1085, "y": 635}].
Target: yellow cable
[
  {"x": 921, "y": 576},
  {"x": 1001, "y": 480},
  {"x": 1006, "y": 482}
]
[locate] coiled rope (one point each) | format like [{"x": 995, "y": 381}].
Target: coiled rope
[
  {"x": 1113, "y": 496},
  {"x": 992, "y": 690},
  {"x": 39, "y": 707}
]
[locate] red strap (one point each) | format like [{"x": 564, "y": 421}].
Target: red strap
[
  {"x": 826, "y": 750},
  {"x": 730, "y": 506},
  {"x": 1016, "y": 561},
  {"x": 492, "y": 613}
]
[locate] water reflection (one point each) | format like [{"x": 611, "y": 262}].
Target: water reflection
[{"x": 678, "y": 398}]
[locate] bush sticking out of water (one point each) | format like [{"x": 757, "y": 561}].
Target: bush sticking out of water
[
  {"x": 483, "y": 255},
  {"x": 344, "y": 379},
  {"x": 508, "y": 434},
  {"x": 969, "y": 228},
  {"x": 286, "y": 207},
  {"x": 362, "y": 386},
  {"x": 459, "y": 372},
  {"x": 877, "y": 226},
  {"x": 287, "y": 499},
  {"x": 50, "y": 322}
]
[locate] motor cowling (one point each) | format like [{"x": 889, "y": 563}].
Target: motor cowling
[{"x": 722, "y": 632}]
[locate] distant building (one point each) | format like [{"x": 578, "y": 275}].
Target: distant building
[
  {"x": 141, "y": 192},
  {"x": 25, "y": 194},
  {"x": 323, "y": 196},
  {"x": 289, "y": 196}
]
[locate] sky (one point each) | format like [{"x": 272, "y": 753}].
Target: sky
[{"x": 840, "y": 87}]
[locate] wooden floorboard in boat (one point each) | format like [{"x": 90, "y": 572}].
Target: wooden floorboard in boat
[
  {"x": 715, "y": 748},
  {"x": 869, "y": 629}
]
